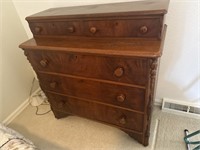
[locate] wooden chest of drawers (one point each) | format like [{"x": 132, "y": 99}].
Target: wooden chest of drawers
[{"x": 100, "y": 61}]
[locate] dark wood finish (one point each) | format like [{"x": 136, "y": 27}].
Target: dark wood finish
[
  {"x": 123, "y": 28},
  {"x": 59, "y": 114},
  {"x": 56, "y": 28},
  {"x": 101, "y": 28},
  {"x": 125, "y": 70},
  {"x": 130, "y": 47},
  {"x": 141, "y": 8},
  {"x": 100, "y": 61},
  {"x": 100, "y": 91},
  {"x": 100, "y": 112},
  {"x": 121, "y": 97}
]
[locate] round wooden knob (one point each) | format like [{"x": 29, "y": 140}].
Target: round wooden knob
[
  {"x": 38, "y": 29},
  {"x": 143, "y": 29},
  {"x": 71, "y": 29},
  {"x": 122, "y": 120},
  {"x": 119, "y": 72},
  {"x": 43, "y": 63},
  {"x": 53, "y": 85},
  {"x": 93, "y": 30},
  {"x": 121, "y": 98}
]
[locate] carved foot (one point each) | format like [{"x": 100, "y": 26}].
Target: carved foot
[
  {"x": 146, "y": 141},
  {"x": 59, "y": 114}
]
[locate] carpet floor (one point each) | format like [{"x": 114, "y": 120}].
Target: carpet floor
[{"x": 75, "y": 133}]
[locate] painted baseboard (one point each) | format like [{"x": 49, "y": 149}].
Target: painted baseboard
[
  {"x": 158, "y": 102},
  {"x": 17, "y": 111}
]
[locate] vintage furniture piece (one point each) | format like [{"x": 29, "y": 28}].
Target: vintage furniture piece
[{"x": 100, "y": 61}]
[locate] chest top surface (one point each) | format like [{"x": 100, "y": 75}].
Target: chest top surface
[
  {"x": 136, "y": 30},
  {"x": 101, "y": 46},
  {"x": 141, "y": 7}
]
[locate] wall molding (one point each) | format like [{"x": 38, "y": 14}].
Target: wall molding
[
  {"x": 18, "y": 110},
  {"x": 158, "y": 102}
]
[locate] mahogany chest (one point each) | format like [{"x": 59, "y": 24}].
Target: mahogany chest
[{"x": 100, "y": 61}]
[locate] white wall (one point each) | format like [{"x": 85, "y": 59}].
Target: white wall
[
  {"x": 179, "y": 76},
  {"x": 15, "y": 72},
  {"x": 0, "y": 60}
]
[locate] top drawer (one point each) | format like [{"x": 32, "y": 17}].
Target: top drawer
[
  {"x": 124, "y": 70},
  {"x": 148, "y": 28}
]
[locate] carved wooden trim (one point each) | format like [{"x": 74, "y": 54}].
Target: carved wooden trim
[
  {"x": 153, "y": 68},
  {"x": 26, "y": 53},
  {"x": 152, "y": 77}
]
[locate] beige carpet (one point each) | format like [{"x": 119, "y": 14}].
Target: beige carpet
[
  {"x": 75, "y": 133},
  {"x": 170, "y": 131}
]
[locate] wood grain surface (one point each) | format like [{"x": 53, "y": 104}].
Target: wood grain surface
[{"x": 100, "y": 61}]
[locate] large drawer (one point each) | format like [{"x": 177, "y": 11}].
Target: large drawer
[
  {"x": 123, "y": 96},
  {"x": 119, "y": 117},
  {"x": 119, "y": 69},
  {"x": 148, "y": 27}
]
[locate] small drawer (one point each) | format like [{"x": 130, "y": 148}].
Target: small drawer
[
  {"x": 100, "y": 28},
  {"x": 99, "y": 112},
  {"x": 119, "y": 69},
  {"x": 56, "y": 28},
  {"x": 123, "y": 28},
  {"x": 123, "y": 96}
]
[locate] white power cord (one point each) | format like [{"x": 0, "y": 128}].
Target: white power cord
[{"x": 38, "y": 99}]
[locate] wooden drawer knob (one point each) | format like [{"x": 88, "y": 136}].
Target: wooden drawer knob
[
  {"x": 122, "y": 120},
  {"x": 44, "y": 63},
  {"x": 38, "y": 29},
  {"x": 121, "y": 98},
  {"x": 53, "y": 85},
  {"x": 119, "y": 72},
  {"x": 71, "y": 29},
  {"x": 143, "y": 29},
  {"x": 93, "y": 30}
]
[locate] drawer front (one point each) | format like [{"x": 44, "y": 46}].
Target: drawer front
[
  {"x": 56, "y": 28},
  {"x": 122, "y": 118},
  {"x": 126, "y": 70},
  {"x": 100, "y": 28},
  {"x": 123, "y": 28},
  {"x": 123, "y": 96}
]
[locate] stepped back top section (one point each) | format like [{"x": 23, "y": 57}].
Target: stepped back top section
[
  {"x": 142, "y": 7},
  {"x": 136, "y": 19}
]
